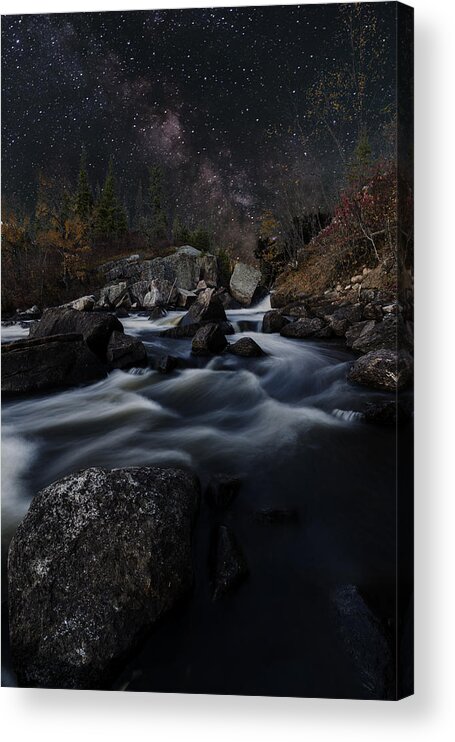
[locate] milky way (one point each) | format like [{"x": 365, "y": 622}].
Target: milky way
[{"x": 215, "y": 94}]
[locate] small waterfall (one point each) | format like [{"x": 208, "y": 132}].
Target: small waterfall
[{"x": 349, "y": 416}]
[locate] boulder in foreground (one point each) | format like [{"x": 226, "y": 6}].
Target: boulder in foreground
[
  {"x": 383, "y": 369},
  {"x": 98, "y": 559}
]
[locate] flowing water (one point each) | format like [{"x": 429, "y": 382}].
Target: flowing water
[{"x": 289, "y": 426}]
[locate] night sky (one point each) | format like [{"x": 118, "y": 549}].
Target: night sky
[{"x": 217, "y": 96}]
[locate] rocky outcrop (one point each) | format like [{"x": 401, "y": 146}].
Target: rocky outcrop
[
  {"x": 383, "y": 369},
  {"x": 98, "y": 559},
  {"x": 161, "y": 293},
  {"x": 246, "y": 347},
  {"x": 125, "y": 351},
  {"x": 273, "y": 321},
  {"x": 41, "y": 364},
  {"x": 208, "y": 339},
  {"x": 244, "y": 283},
  {"x": 302, "y": 328},
  {"x": 229, "y": 566},
  {"x": 96, "y": 328},
  {"x": 184, "y": 268}
]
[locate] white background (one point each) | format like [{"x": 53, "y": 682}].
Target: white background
[{"x": 55, "y": 715}]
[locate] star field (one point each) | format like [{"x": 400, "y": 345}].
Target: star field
[{"x": 217, "y": 96}]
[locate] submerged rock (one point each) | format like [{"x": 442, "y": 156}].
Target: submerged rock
[
  {"x": 383, "y": 369},
  {"x": 125, "y": 351},
  {"x": 302, "y": 328},
  {"x": 98, "y": 559},
  {"x": 208, "y": 339},
  {"x": 273, "y": 321},
  {"x": 222, "y": 490},
  {"x": 366, "y": 642},
  {"x": 245, "y": 281},
  {"x": 40, "y": 364},
  {"x": 229, "y": 566},
  {"x": 246, "y": 347},
  {"x": 96, "y": 328}
]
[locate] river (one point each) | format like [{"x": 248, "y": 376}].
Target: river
[{"x": 287, "y": 425}]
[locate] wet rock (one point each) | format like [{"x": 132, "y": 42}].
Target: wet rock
[
  {"x": 273, "y": 321},
  {"x": 40, "y": 364},
  {"x": 245, "y": 280},
  {"x": 366, "y": 642},
  {"x": 246, "y": 347},
  {"x": 98, "y": 559},
  {"x": 206, "y": 308},
  {"x": 208, "y": 339},
  {"x": 222, "y": 490},
  {"x": 157, "y": 313},
  {"x": 121, "y": 313},
  {"x": 96, "y": 328},
  {"x": 389, "y": 413},
  {"x": 228, "y": 564},
  {"x": 383, "y": 369},
  {"x": 226, "y": 299},
  {"x": 125, "y": 351},
  {"x": 302, "y": 328},
  {"x": 181, "y": 331},
  {"x": 166, "y": 364}
]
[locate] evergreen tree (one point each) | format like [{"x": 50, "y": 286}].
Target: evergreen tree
[
  {"x": 110, "y": 217},
  {"x": 200, "y": 238},
  {"x": 84, "y": 197},
  {"x": 157, "y": 226},
  {"x": 138, "y": 215},
  {"x": 180, "y": 233}
]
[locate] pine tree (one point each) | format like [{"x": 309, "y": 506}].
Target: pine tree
[
  {"x": 180, "y": 233},
  {"x": 157, "y": 226},
  {"x": 84, "y": 197},
  {"x": 110, "y": 217},
  {"x": 138, "y": 214}
]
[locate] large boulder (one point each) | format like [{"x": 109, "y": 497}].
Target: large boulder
[
  {"x": 273, "y": 321},
  {"x": 126, "y": 269},
  {"x": 383, "y": 369},
  {"x": 184, "y": 268},
  {"x": 40, "y": 364},
  {"x": 96, "y": 328},
  {"x": 125, "y": 351},
  {"x": 302, "y": 328},
  {"x": 208, "y": 339},
  {"x": 246, "y": 347},
  {"x": 206, "y": 308},
  {"x": 98, "y": 559},
  {"x": 245, "y": 281},
  {"x": 390, "y": 333}
]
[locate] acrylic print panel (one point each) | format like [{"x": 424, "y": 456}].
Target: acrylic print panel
[{"x": 207, "y": 350}]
